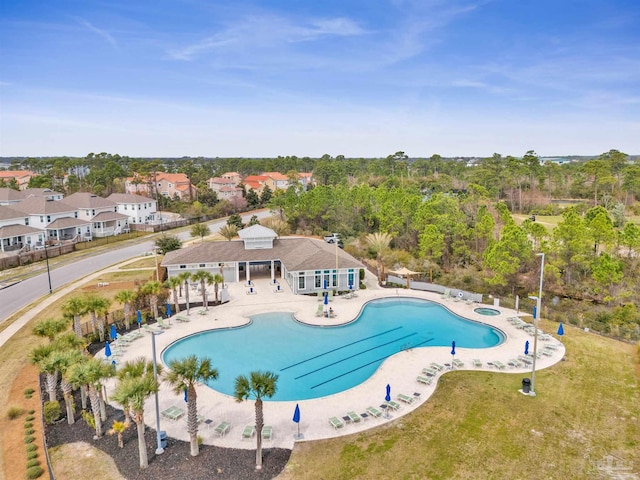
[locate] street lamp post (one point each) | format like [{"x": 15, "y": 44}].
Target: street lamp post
[
  {"x": 46, "y": 256},
  {"x": 159, "y": 449},
  {"x": 536, "y": 318}
]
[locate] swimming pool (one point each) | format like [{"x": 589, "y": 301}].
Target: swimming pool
[
  {"x": 491, "y": 312},
  {"x": 313, "y": 362}
]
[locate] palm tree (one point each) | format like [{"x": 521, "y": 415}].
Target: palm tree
[
  {"x": 43, "y": 358},
  {"x": 90, "y": 373},
  {"x": 217, "y": 280},
  {"x": 184, "y": 278},
  {"x": 75, "y": 307},
  {"x": 258, "y": 385},
  {"x": 183, "y": 374},
  {"x": 136, "y": 383},
  {"x": 50, "y": 328},
  {"x": 126, "y": 298},
  {"x": 379, "y": 242},
  {"x": 174, "y": 283},
  {"x": 66, "y": 359},
  {"x": 229, "y": 231},
  {"x": 97, "y": 306},
  {"x": 153, "y": 289},
  {"x": 203, "y": 277},
  {"x": 118, "y": 428}
]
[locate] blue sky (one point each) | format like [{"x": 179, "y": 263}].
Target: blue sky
[{"x": 350, "y": 77}]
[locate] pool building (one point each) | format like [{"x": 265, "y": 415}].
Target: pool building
[{"x": 306, "y": 265}]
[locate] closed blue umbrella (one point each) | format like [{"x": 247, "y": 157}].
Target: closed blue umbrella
[
  {"x": 168, "y": 310},
  {"x": 453, "y": 351},
  {"x": 560, "y": 330},
  {"x": 107, "y": 349},
  {"x": 526, "y": 347},
  {"x": 139, "y": 318},
  {"x": 296, "y": 419},
  {"x": 114, "y": 334},
  {"x": 186, "y": 394},
  {"x": 388, "y": 396}
]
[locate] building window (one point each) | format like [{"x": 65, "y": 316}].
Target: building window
[
  {"x": 318, "y": 278},
  {"x": 301, "y": 282},
  {"x": 202, "y": 265},
  {"x": 183, "y": 266}
]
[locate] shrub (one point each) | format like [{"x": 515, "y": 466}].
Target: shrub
[
  {"x": 29, "y": 439},
  {"x": 31, "y": 412},
  {"x": 52, "y": 412},
  {"x": 28, "y": 424},
  {"x": 200, "y": 440},
  {"x": 88, "y": 417},
  {"x": 31, "y": 447},
  {"x": 34, "y": 462},
  {"x": 14, "y": 412},
  {"x": 29, "y": 431},
  {"x": 30, "y": 418},
  {"x": 28, "y": 392},
  {"x": 34, "y": 472},
  {"x": 32, "y": 454}
]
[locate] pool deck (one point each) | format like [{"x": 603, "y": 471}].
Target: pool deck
[{"x": 400, "y": 371}]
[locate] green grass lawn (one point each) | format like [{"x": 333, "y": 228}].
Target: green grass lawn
[{"x": 478, "y": 426}]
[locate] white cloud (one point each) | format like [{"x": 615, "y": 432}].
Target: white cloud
[{"x": 103, "y": 33}]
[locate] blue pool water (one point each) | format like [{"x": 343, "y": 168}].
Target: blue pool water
[
  {"x": 492, "y": 312},
  {"x": 314, "y": 362}
]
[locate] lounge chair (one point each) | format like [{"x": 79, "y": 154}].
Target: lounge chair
[
  {"x": 248, "y": 431},
  {"x": 514, "y": 363},
  {"x": 336, "y": 422},
  {"x": 320, "y": 311},
  {"x": 524, "y": 359},
  {"x": 499, "y": 365},
  {"x": 436, "y": 366},
  {"x": 393, "y": 405},
  {"x": 457, "y": 363},
  {"x": 150, "y": 329},
  {"x": 172, "y": 413},
  {"x": 223, "y": 428},
  {"x": 446, "y": 293},
  {"x": 477, "y": 363},
  {"x": 374, "y": 412},
  {"x": 163, "y": 325},
  {"x": 180, "y": 318},
  {"x": 431, "y": 372},
  {"x": 355, "y": 418},
  {"x": 423, "y": 379},
  {"x": 267, "y": 432},
  {"x": 405, "y": 398}
]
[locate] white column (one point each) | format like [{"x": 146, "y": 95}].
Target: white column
[{"x": 273, "y": 271}]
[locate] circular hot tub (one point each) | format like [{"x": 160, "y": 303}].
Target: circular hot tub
[{"x": 491, "y": 312}]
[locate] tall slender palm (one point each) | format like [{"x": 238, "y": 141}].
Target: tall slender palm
[
  {"x": 126, "y": 298},
  {"x": 379, "y": 242},
  {"x": 184, "y": 278},
  {"x": 174, "y": 283},
  {"x": 184, "y": 373},
  {"x": 97, "y": 306},
  {"x": 91, "y": 373},
  {"x": 66, "y": 359},
  {"x": 136, "y": 383},
  {"x": 50, "y": 328},
  {"x": 259, "y": 385},
  {"x": 75, "y": 307},
  {"x": 229, "y": 231},
  {"x": 203, "y": 277},
  {"x": 217, "y": 280},
  {"x": 43, "y": 358},
  {"x": 153, "y": 289}
]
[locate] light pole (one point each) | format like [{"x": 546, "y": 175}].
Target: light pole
[
  {"x": 159, "y": 448},
  {"x": 536, "y": 318},
  {"x": 46, "y": 256}
]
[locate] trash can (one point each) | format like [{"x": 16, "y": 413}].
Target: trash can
[
  {"x": 163, "y": 438},
  {"x": 526, "y": 385}
]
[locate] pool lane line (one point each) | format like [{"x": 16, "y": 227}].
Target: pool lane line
[
  {"x": 350, "y": 371},
  {"x": 339, "y": 348},
  {"x": 355, "y": 355}
]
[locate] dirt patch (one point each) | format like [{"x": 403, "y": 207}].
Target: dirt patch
[
  {"x": 86, "y": 458},
  {"x": 108, "y": 286},
  {"x": 13, "y": 446}
]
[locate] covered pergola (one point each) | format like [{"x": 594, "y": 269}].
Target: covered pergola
[{"x": 406, "y": 273}]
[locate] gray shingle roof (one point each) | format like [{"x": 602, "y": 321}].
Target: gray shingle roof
[
  {"x": 10, "y": 213},
  {"x": 109, "y": 216},
  {"x": 129, "y": 198},
  {"x": 67, "y": 222},
  {"x": 89, "y": 200},
  {"x": 40, "y": 205},
  {"x": 15, "y": 230},
  {"x": 294, "y": 253}
]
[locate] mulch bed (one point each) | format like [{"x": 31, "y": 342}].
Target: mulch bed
[{"x": 176, "y": 462}]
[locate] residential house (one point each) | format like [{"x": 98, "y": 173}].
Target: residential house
[
  {"x": 60, "y": 220},
  {"x": 170, "y": 185},
  {"x": 139, "y": 209},
  {"x": 21, "y": 177},
  {"x": 305, "y": 179},
  {"x": 44, "y": 192},
  {"x": 101, "y": 212},
  {"x": 9, "y": 196},
  {"x": 255, "y": 182},
  {"x": 276, "y": 181},
  {"x": 15, "y": 232}
]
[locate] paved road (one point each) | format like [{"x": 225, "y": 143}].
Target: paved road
[{"x": 17, "y": 296}]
